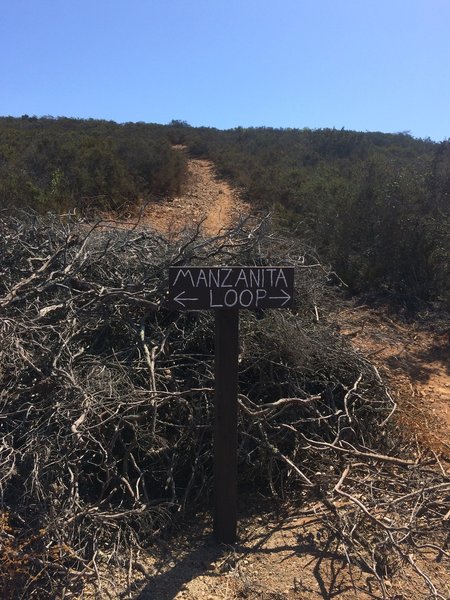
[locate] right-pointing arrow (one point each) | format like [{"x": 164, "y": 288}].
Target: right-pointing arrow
[{"x": 285, "y": 297}]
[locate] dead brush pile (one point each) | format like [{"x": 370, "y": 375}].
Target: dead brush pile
[{"x": 106, "y": 407}]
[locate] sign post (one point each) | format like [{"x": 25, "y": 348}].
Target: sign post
[
  {"x": 226, "y": 290},
  {"x": 225, "y": 425}
]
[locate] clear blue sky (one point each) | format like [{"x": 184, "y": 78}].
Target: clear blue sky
[{"x": 376, "y": 65}]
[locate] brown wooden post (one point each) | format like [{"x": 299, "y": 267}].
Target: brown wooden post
[
  {"x": 225, "y": 425},
  {"x": 226, "y": 290}
]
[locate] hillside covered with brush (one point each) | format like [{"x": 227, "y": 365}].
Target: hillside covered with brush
[
  {"x": 376, "y": 206},
  {"x": 107, "y": 394}
]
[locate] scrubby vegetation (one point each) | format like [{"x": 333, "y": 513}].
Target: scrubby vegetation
[
  {"x": 106, "y": 396},
  {"x": 61, "y": 164},
  {"x": 377, "y": 206},
  {"x": 106, "y": 404}
]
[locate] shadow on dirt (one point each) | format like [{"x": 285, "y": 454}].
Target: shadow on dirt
[
  {"x": 416, "y": 367},
  {"x": 312, "y": 563},
  {"x": 422, "y": 364},
  {"x": 174, "y": 572},
  {"x": 439, "y": 351}
]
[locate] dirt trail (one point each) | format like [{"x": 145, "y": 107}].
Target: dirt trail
[
  {"x": 206, "y": 199},
  {"x": 280, "y": 558},
  {"x": 415, "y": 357}
]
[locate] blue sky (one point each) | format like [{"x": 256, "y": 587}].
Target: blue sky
[{"x": 375, "y": 65}]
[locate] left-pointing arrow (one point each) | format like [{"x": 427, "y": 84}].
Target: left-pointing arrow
[
  {"x": 181, "y": 299},
  {"x": 285, "y": 297}
]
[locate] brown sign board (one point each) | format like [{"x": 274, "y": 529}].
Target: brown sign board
[{"x": 198, "y": 288}]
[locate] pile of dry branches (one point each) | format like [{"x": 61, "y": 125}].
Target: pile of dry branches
[{"x": 106, "y": 405}]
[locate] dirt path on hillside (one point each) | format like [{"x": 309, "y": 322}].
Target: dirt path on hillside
[
  {"x": 207, "y": 199},
  {"x": 415, "y": 358},
  {"x": 281, "y": 557}
]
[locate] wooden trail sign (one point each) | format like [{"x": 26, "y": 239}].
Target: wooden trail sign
[
  {"x": 199, "y": 288},
  {"x": 226, "y": 290}
]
